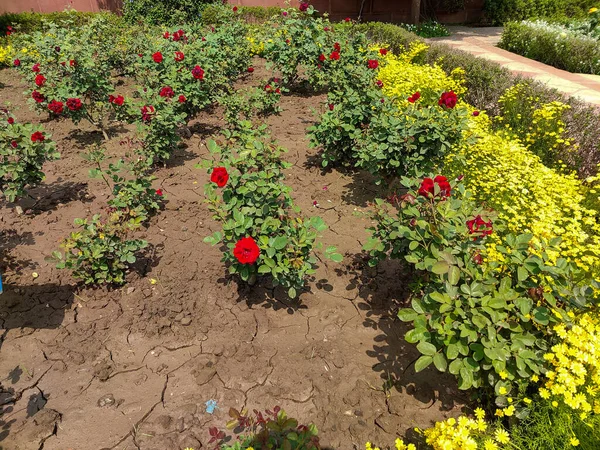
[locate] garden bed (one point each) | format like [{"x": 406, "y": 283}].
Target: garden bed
[{"x": 147, "y": 357}]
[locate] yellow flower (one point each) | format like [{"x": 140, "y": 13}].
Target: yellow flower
[
  {"x": 593, "y": 10},
  {"x": 490, "y": 445},
  {"x": 574, "y": 441},
  {"x": 503, "y": 375},
  {"x": 502, "y": 436},
  {"x": 502, "y": 390},
  {"x": 479, "y": 413},
  {"x": 527, "y": 400},
  {"x": 509, "y": 411},
  {"x": 153, "y": 281},
  {"x": 535, "y": 378}
]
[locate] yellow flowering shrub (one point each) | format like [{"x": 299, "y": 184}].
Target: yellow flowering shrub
[
  {"x": 528, "y": 196},
  {"x": 6, "y": 52},
  {"x": 574, "y": 377},
  {"x": 402, "y": 77},
  {"x": 465, "y": 433},
  {"x": 398, "y": 445}
]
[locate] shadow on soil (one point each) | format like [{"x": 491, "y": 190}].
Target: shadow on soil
[{"x": 383, "y": 290}]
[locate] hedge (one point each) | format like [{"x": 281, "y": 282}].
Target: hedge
[
  {"x": 498, "y": 12},
  {"x": 553, "y": 44},
  {"x": 28, "y": 22}
]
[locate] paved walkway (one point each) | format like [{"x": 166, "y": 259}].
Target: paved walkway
[{"x": 482, "y": 42}]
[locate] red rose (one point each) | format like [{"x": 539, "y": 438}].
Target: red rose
[
  {"x": 182, "y": 99},
  {"x": 235, "y": 9},
  {"x": 246, "y": 251},
  {"x": 334, "y": 56},
  {"x": 331, "y": 106},
  {"x": 383, "y": 51},
  {"x": 166, "y": 35},
  {"x": 448, "y": 99},
  {"x": 74, "y": 104},
  {"x": 478, "y": 225},
  {"x": 379, "y": 83},
  {"x": 157, "y": 57},
  {"x": 118, "y": 100},
  {"x": 278, "y": 91},
  {"x": 382, "y": 100},
  {"x": 159, "y": 192},
  {"x": 13, "y": 144},
  {"x": 10, "y": 120},
  {"x": 287, "y": 41},
  {"x": 63, "y": 64},
  {"x": 268, "y": 88},
  {"x": 179, "y": 56},
  {"x": 147, "y": 113},
  {"x": 303, "y": 6},
  {"x": 39, "y": 98},
  {"x": 250, "y": 69},
  {"x": 475, "y": 113},
  {"x": 347, "y": 19},
  {"x": 37, "y": 136},
  {"x": 427, "y": 188},
  {"x": 167, "y": 92},
  {"x": 140, "y": 55},
  {"x": 203, "y": 39},
  {"x": 219, "y": 176},
  {"x": 72, "y": 63},
  {"x": 56, "y": 107},
  {"x": 40, "y": 80},
  {"x": 413, "y": 98},
  {"x": 321, "y": 57},
  {"x": 337, "y": 47},
  {"x": 17, "y": 62},
  {"x": 36, "y": 67},
  {"x": 325, "y": 28},
  {"x": 477, "y": 258},
  {"x": 373, "y": 64},
  {"x": 284, "y": 13},
  {"x": 198, "y": 73}
]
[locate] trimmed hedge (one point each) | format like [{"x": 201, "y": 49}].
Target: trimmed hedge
[
  {"x": 498, "y": 12},
  {"x": 486, "y": 81},
  {"x": 28, "y": 22},
  {"x": 553, "y": 44}
]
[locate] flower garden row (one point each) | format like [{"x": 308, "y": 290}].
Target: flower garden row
[{"x": 507, "y": 249}]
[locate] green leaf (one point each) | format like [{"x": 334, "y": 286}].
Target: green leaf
[
  {"x": 426, "y": 348},
  {"x": 422, "y": 363},
  {"x": 264, "y": 269},
  {"x": 407, "y": 315},
  {"x": 466, "y": 378},
  {"x": 280, "y": 242},
  {"x": 522, "y": 273},
  {"x": 440, "y": 362},
  {"x": 454, "y": 275},
  {"x": 292, "y": 292},
  {"x": 440, "y": 267}
]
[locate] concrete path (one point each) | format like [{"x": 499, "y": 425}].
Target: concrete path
[{"x": 482, "y": 42}]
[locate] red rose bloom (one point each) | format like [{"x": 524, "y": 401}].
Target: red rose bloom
[
  {"x": 179, "y": 56},
  {"x": 63, "y": 64},
  {"x": 250, "y": 69},
  {"x": 373, "y": 64},
  {"x": 36, "y": 67},
  {"x": 448, "y": 100},
  {"x": 347, "y": 19},
  {"x": 198, "y": 73},
  {"x": 182, "y": 99},
  {"x": 39, "y": 98},
  {"x": 159, "y": 192},
  {"x": 322, "y": 57},
  {"x": 383, "y": 51},
  {"x": 219, "y": 176},
  {"x": 13, "y": 144},
  {"x": 72, "y": 63},
  {"x": 178, "y": 35},
  {"x": 37, "y": 136},
  {"x": 335, "y": 56},
  {"x": 477, "y": 258},
  {"x": 10, "y": 120},
  {"x": 118, "y": 100},
  {"x": 331, "y": 106},
  {"x": 167, "y": 92},
  {"x": 478, "y": 225},
  {"x": 413, "y": 98},
  {"x": 40, "y": 80},
  {"x": 166, "y": 35},
  {"x": 235, "y": 9},
  {"x": 17, "y": 62},
  {"x": 56, "y": 107},
  {"x": 475, "y": 113},
  {"x": 379, "y": 83},
  {"x": 246, "y": 251},
  {"x": 303, "y": 6},
  {"x": 74, "y": 104},
  {"x": 427, "y": 188},
  {"x": 278, "y": 91},
  {"x": 337, "y": 47},
  {"x": 157, "y": 57},
  {"x": 147, "y": 113},
  {"x": 268, "y": 88}
]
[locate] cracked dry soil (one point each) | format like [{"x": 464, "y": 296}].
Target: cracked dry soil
[{"x": 90, "y": 369}]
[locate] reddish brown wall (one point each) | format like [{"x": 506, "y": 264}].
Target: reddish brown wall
[
  {"x": 57, "y": 5},
  {"x": 384, "y": 10}
]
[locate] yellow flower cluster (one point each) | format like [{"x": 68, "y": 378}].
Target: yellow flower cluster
[
  {"x": 528, "y": 196},
  {"x": 401, "y": 77},
  {"x": 398, "y": 445},
  {"x": 575, "y": 364},
  {"x": 257, "y": 47},
  {"x": 5, "y": 55},
  {"x": 465, "y": 433}
]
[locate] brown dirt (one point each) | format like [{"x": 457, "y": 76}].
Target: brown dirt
[{"x": 84, "y": 368}]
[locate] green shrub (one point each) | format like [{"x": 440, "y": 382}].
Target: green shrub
[
  {"x": 28, "y": 22},
  {"x": 166, "y": 12},
  {"x": 498, "y": 12},
  {"x": 553, "y": 44},
  {"x": 427, "y": 29}
]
